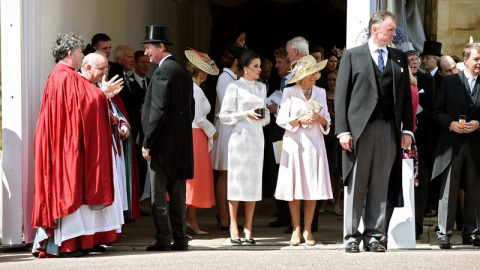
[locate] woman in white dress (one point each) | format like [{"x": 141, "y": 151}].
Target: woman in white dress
[
  {"x": 199, "y": 192},
  {"x": 303, "y": 173},
  {"x": 220, "y": 146},
  {"x": 244, "y": 109}
]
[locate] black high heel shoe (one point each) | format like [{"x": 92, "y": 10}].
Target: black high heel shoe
[
  {"x": 236, "y": 241},
  {"x": 219, "y": 225},
  {"x": 248, "y": 238}
]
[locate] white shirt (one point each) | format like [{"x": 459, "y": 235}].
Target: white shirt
[
  {"x": 161, "y": 61},
  {"x": 433, "y": 71},
  {"x": 374, "y": 52},
  {"x": 140, "y": 80},
  {"x": 202, "y": 108},
  {"x": 469, "y": 79}
]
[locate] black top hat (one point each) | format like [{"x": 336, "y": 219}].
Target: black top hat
[
  {"x": 158, "y": 34},
  {"x": 432, "y": 48}
]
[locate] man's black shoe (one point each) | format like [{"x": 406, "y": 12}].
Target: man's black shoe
[
  {"x": 471, "y": 240},
  {"x": 279, "y": 223},
  {"x": 74, "y": 254},
  {"x": 374, "y": 247},
  {"x": 99, "y": 248},
  {"x": 179, "y": 247},
  {"x": 156, "y": 247},
  {"x": 384, "y": 243},
  {"x": 352, "y": 247},
  {"x": 444, "y": 242}
]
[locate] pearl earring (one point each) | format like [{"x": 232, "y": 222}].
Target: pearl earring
[{"x": 246, "y": 71}]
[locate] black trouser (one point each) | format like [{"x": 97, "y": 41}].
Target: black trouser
[{"x": 167, "y": 216}]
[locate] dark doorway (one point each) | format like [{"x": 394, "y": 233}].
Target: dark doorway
[{"x": 270, "y": 24}]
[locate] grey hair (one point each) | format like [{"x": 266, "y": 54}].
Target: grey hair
[
  {"x": 64, "y": 43},
  {"x": 91, "y": 59},
  {"x": 299, "y": 43},
  {"x": 119, "y": 51},
  {"x": 378, "y": 17},
  {"x": 468, "y": 49}
]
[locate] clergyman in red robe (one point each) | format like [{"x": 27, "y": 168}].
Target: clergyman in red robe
[{"x": 73, "y": 159}]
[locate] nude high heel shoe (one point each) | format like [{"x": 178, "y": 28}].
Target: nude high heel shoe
[
  {"x": 294, "y": 241},
  {"x": 196, "y": 232},
  {"x": 308, "y": 241}
]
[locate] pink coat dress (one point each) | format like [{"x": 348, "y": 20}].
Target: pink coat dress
[{"x": 303, "y": 173}]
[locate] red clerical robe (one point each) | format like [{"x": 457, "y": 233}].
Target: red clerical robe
[{"x": 73, "y": 159}]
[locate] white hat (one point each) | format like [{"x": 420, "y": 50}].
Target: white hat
[
  {"x": 305, "y": 66},
  {"x": 202, "y": 61}
]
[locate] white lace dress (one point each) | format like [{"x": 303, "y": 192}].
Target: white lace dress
[{"x": 245, "y": 148}]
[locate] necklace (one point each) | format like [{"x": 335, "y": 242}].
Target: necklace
[{"x": 307, "y": 92}]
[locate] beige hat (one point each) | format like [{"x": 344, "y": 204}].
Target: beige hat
[
  {"x": 202, "y": 61},
  {"x": 306, "y": 66}
]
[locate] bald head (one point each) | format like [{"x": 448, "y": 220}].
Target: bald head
[
  {"x": 94, "y": 67},
  {"x": 447, "y": 66}
]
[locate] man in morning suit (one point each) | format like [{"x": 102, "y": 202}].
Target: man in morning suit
[
  {"x": 167, "y": 116},
  {"x": 132, "y": 98},
  {"x": 372, "y": 101},
  {"x": 432, "y": 51},
  {"x": 457, "y": 151}
]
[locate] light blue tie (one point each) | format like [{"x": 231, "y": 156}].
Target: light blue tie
[
  {"x": 282, "y": 84},
  {"x": 381, "y": 65}
]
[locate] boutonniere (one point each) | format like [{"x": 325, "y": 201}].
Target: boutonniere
[{"x": 131, "y": 79}]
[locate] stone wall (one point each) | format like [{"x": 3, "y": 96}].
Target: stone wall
[{"x": 457, "y": 20}]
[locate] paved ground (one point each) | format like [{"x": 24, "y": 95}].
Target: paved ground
[
  {"x": 140, "y": 233},
  {"x": 243, "y": 259},
  {"x": 271, "y": 252}
]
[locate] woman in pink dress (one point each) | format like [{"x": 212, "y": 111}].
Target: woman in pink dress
[
  {"x": 303, "y": 173},
  {"x": 200, "y": 189}
]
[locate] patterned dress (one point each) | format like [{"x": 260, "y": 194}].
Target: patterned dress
[{"x": 245, "y": 147}]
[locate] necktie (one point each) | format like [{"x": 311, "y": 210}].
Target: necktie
[
  {"x": 144, "y": 85},
  {"x": 283, "y": 83},
  {"x": 466, "y": 83},
  {"x": 471, "y": 83},
  {"x": 381, "y": 65},
  {"x": 125, "y": 82}
]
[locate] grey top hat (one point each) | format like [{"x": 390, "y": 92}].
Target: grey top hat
[
  {"x": 432, "y": 48},
  {"x": 158, "y": 34}
]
